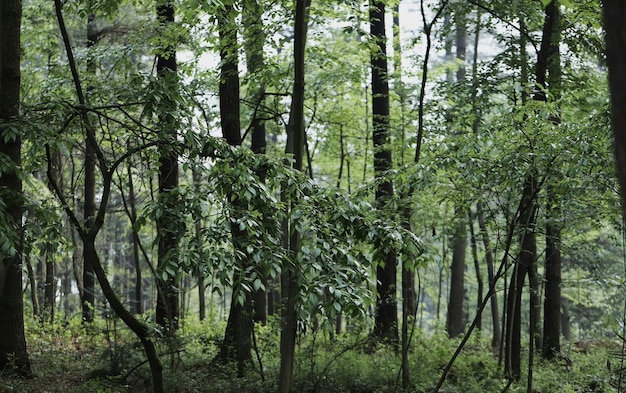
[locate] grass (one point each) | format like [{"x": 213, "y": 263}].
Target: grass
[{"x": 70, "y": 358}]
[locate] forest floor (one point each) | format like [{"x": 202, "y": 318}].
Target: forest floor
[{"x": 68, "y": 359}]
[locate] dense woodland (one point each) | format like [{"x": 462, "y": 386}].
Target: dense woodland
[{"x": 305, "y": 195}]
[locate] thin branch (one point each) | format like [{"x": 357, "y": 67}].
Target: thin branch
[{"x": 428, "y": 26}]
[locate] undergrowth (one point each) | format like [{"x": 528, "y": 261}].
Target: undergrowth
[{"x": 105, "y": 357}]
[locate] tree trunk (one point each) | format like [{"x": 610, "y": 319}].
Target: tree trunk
[
  {"x": 32, "y": 280},
  {"x": 140, "y": 329},
  {"x": 254, "y": 40},
  {"x": 50, "y": 285},
  {"x": 552, "y": 302},
  {"x": 523, "y": 265},
  {"x": 137, "y": 300},
  {"x": 551, "y": 346},
  {"x": 89, "y": 210},
  {"x": 12, "y": 341},
  {"x": 614, "y": 16},
  {"x": 237, "y": 344},
  {"x": 455, "y": 323},
  {"x": 479, "y": 277},
  {"x": 290, "y": 288},
  {"x": 88, "y": 234},
  {"x": 168, "y": 224},
  {"x": 495, "y": 316},
  {"x": 565, "y": 324},
  {"x": 386, "y": 321}
]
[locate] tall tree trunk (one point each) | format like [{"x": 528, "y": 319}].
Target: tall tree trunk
[
  {"x": 254, "y": 40},
  {"x": 89, "y": 209},
  {"x": 409, "y": 296},
  {"x": 386, "y": 321},
  {"x": 168, "y": 224},
  {"x": 614, "y": 15},
  {"x": 290, "y": 288},
  {"x": 527, "y": 260},
  {"x": 12, "y": 341},
  {"x": 455, "y": 322},
  {"x": 551, "y": 345},
  {"x": 237, "y": 344}
]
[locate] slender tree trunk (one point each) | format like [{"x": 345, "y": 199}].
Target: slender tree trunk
[
  {"x": 66, "y": 288},
  {"x": 565, "y": 316},
  {"x": 88, "y": 234},
  {"x": 495, "y": 316},
  {"x": 551, "y": 346},
  {"x": 50, "y": 285},
  {"x": 523, "y": 265},
  {"x": 90, "y": 194},
  {"x": 290, "y": 288},
  {"x": 479, "y": 277},
  {"x": 201, "y": 271},
  {"x": 168, "y": 224},
  {"x": 386, "y": 321},
  {"x": 455, "y": 323},
  {"x": 137, "y": 301},
  {"x": 12, "y": 341},
  {"x": 409, "y": 296},
  {"x": 32, "y": 280},
  {"x": 254, "y": 40}
]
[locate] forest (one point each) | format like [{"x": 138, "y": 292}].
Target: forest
[{"x": 312, "y": 196}]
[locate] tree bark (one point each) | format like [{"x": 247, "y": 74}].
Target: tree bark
[
  {"x": 137, "y": 300},
  {"x": 523, "y": 265},
  {"x": 386, "y": 320},
  {"x": 89, "y": 209},
  {"x": 290, "y": 288},
  {"x": 254, "y": 40},
  {"x": 479, "y": 277},
  {"x": 495, "y": 316},
  {"x": 551, "y": 345},
  {"x": 237, "y": 344},
  {"x": 12, "y": 340},
  {"x": 168, "y": 224},
  {"x": 455, "y": 322},
  {"x": 50, "y": 285},
  {"x": 614, "y": 15}
]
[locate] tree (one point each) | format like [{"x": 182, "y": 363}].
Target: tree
[
  {"x": 290, "y": 287},
  {"x": 89, "y": 209},
  {"x": 254, "y": 40},
  {"x": 168, "y": 223},
  {"x": 88, "y": 231},
  {"x": 614, "y": 12},
  {"x": 551, "y": 345},
  {"x": 455, "y": 322},
  {"x": 237, "y": 344},
  {"x": 13, "y": 351},
  {"x": 386, "y": 321}
]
